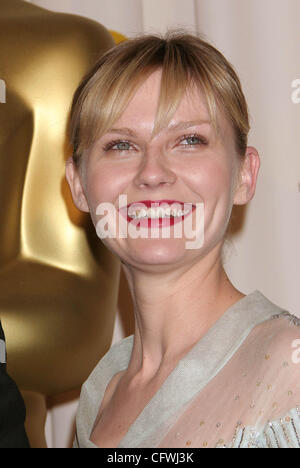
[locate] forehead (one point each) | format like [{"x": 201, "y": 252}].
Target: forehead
[
  {"x": 145, "y": 102},
  {"x": 141, "y": 112}
]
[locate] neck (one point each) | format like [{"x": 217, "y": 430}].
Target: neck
[{"x": 174, "y": 310}]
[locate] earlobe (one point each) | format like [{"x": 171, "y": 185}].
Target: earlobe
[
  {"x": 248, "y": 174},
  {"x": 73, "y": 178}
]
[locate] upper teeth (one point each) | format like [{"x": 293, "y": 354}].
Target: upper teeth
[{"x": 156, "y": 212}]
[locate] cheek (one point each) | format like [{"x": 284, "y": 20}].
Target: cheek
[
  {"x": 104, "y": 184},
  {"x": 211, "y": 180},
  {"x": 213, "y": 185}
]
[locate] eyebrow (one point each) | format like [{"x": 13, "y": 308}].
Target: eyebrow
[{"x": 176, "y": 126}]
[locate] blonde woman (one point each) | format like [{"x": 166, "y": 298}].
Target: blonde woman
[{"x": 161, "y": 124}]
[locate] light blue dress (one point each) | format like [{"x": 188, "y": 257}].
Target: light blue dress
[{"x": 239, "y": 386}]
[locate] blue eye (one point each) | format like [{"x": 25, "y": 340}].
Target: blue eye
[
  {"x": 118, "y": 145},
  {"x": 193, "y": 140}
]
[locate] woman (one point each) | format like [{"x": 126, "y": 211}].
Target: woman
[{"x": 163, "y": 123}]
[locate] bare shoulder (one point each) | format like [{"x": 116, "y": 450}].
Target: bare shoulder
[
  {"x": 284, "y": 329},
  {"x": 280, "y": 341},
  {"x": 273, "y": 347}
]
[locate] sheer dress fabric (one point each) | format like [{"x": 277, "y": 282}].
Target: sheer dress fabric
[{"x": 239, "y": 386}]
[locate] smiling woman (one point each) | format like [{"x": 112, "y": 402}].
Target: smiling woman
[{"x": 163, "y": 123}]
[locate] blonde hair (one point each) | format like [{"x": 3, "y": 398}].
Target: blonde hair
[{"x": 184, "y": 59}]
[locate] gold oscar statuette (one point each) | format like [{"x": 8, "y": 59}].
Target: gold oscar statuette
[{"x": 58, "y": 283}]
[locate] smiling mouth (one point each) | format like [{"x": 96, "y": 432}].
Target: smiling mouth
[{"x": 156, "y": 213}]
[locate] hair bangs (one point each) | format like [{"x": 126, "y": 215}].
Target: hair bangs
[{"x": 187, "y": 63}]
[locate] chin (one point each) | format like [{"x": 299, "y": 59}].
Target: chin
[{"x": 158, "y": 251}]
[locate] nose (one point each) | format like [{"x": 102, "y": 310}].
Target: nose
[{"x": 154, "y": 171}]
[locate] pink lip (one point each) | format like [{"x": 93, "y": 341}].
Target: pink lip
[{"x": 158, "y": 222}]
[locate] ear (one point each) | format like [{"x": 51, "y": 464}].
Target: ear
[
  {"x": 248, "y": 173},
  {"x": 75, "y": 184}
]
